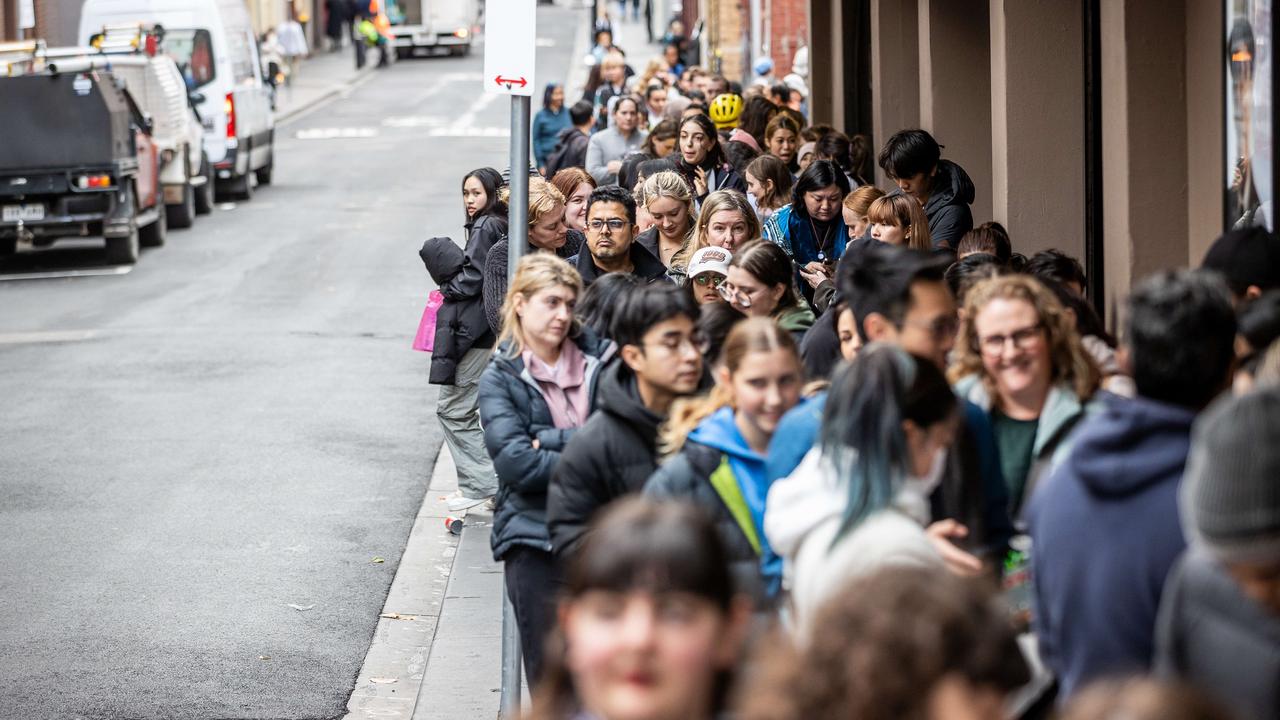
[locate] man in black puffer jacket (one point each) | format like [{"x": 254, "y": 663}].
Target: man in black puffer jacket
[{"x": 616, "y": 451}]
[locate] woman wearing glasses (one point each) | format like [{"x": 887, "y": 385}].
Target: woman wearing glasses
[
  {"x": 759, "y": 284},
  {"x": 707, "y": 270},
  {"x": 1018, "y": 357}
]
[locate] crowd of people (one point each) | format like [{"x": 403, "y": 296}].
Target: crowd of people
[{"x": 763, "y": 440}]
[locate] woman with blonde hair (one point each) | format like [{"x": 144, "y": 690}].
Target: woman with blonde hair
[
  {"x": 1019, "y": 358},
  {"x": 726, "y": 220},
  {"x": 899, "y": 220},
  {"x": 718, "y": 443},
  {"x": 669, "y": 201},
  {"x": 547, "y": 232},
  {"x": 857, "y": 205},
  {"x": 537, "y": 390}
]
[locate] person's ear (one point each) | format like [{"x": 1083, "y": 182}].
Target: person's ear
[
  {"x": 876, "y": 328},
  {"x": 778, "y": 291},
  {"x": 633, "y": 356},
  {"x": 519, "y": 303},
  {"x": 723, "y": 378}
]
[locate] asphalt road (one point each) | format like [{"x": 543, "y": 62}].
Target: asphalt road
[{"x": 201, "y": 459}]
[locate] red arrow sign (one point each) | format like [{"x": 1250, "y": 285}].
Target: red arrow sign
[{"x": 510, "y": 81}]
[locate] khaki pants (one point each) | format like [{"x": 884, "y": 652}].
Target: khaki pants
[{"x": 459, "y": 412}]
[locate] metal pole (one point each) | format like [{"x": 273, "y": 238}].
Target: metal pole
[
  {"x": 509, "y": 702},
  {"x": 518, "y": 240},
  {"x": 518, "y": 232}
]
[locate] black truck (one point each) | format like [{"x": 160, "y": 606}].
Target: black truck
[{"x": 76, "y": 160}]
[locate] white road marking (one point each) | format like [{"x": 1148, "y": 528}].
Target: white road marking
[
  {"x": 47, "y": 336},
  {"x": 56, "y": 274},
  {"x": 336, "y": 133}
]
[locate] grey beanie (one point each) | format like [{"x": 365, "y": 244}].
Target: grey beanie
[{"x": 1231, "y": 490}]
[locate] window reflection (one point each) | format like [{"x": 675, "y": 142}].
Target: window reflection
[{"x": 1249, "y": 136}]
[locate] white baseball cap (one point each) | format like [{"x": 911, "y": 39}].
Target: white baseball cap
[{"x": 710, "y": 259}]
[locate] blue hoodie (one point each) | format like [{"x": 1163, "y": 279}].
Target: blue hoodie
[
  {"x": 721, "y": 433},
  {"x": 1105, "y": 532}
]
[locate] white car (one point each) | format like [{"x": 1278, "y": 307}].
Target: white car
[{"x": 213, "y": 43}]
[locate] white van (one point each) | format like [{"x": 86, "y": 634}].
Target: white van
[{"x": 215, "y": 48}]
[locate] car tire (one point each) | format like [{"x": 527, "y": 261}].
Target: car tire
[
  {"x": 241, "y": 187},
  {"x": 8, "y": 246},
  {"x": 123, "y": 250},
  {"x": 403, "y": 54},
  {"x": 155, "y": 234},
  {"x": 263, "y": 174},
  {"x": 182, "y": 215},
  {"x": 204, "y": 193}
]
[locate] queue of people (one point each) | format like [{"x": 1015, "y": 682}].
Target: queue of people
[{"x": 766, "y": 441}]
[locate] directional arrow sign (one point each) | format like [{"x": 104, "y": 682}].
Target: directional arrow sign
[{"x": 510, "y": 38}]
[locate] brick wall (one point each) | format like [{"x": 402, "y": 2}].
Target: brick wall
[
  {"x": 787, "y": 23},
  {"x": 57, "y": 21}
]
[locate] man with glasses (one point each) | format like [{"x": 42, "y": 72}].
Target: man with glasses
[
  {"x": 609, "y": 146},
  {"x": 615, "y": 452},
  {"x": 611, "y": 231},
  {"x": 899, "y": 296}
]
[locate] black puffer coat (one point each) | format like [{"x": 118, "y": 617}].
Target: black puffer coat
[
  {"x": 460, "y": 322},
  {"x": 514, "y": 413},
  {"x": 612, "y": 455}
]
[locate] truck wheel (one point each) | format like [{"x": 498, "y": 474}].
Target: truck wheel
[
  {"x": 8, "y": 246},
  {"x": 403, "y": 54},
  {"x": 154, "y": 234},
  {"x": 241, "y": 187},
  {"x": 264, "y": 173},
  {"x": 182, "y": 215},
  {"x": 204, "y": 193},
  {"x": 123, "y": 250}
]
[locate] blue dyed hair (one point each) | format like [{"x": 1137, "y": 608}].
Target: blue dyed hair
[{"x": 862, "y": 424}]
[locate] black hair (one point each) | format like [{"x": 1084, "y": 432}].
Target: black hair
[
  {"x": 973, "y": 269},
  {"x": 877, "y": 278},
  {"x": 697, "y": 104},
  {"x": 862, "y": 155},
  {"x": 1087, "y": 320},
  {"x": 546, "y": 93},
  {"x": 909, "y": 153},
  {"x": 614, "y": 194},
  {"x": 601, "y": 300},
  {"x": 1260, "y": 325},
  {"x": 715, "y": 321},
  {"x": 491, "y": 181},
  {"x": 647, "y": 306},
  {"x": 740, "y": 155},
  {"x": 781, "y": 91},
  {"x": 756, "y": 115},
  {"x": 1055, "y": 266},
  {"x": 627, "y": 98},
  {"x": 819, "y": 174},
  {"x": 862, "y": 423},
  {"x": 580, "y": 112},
  {"x": 666, "y": 129},
  {"x": 1180, "y": 332},
  {"x": 836, "y": 146}
]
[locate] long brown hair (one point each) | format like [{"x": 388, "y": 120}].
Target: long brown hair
[
  {"x": 747, "y": 336},
  {"x": 1071, "y": 363}
]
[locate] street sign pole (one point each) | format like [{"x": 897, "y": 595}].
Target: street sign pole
[
  {"x": 518, "y": 233},
  {"x": 510, "y": 37}
]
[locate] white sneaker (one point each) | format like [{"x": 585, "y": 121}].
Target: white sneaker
[{"x": 458, "y": 503}]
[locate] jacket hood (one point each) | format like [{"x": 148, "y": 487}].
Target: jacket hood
[
  {"x": 796, "y": 319},
  {"x": 443, "y": 258},
  {"x": 720, "y": 432},
  {"x": 620, "y": 397},
  {"x": 1131, "y": 445},
  {"x": 952, "y": 186}
]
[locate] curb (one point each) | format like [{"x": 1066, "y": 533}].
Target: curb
[{"x": 293, "y": 113}]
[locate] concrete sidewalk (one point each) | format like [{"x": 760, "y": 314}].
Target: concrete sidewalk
[{"x": 319, "y": 78}]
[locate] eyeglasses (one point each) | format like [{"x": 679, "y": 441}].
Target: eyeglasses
[
  {"x": 614, "y": 224},
  {"x": 708, "y": 278},
  {"x": 940, "y": 329},
  {"x": 993, "y": 345},
  {"x": 734, "y": 296}
]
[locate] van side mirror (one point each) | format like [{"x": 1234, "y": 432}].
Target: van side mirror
[{"x": 196, "y": 97}]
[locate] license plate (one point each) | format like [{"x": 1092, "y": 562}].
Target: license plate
[{"x": 25, "y": 213}]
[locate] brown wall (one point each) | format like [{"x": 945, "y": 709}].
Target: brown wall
[
  {"x": 1205, "y": 126},
  {"x": 895, "y": 71}
]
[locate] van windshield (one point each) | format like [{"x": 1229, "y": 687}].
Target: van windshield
[{"x": 192, "y": 50}]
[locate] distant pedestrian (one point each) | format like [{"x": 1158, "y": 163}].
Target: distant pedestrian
[
  {"x": 336, "y": 23},
  {"x": 457, "y": 366},
  {"x": 534, "y": 395},
  {"x": 651, "y": 623},
  {"x": 1096, "y": 593},
  {"x": 550, "y": 121},
  {"x": 781, "y": 140},
  {"x": 718, "y": 443},
  {"x": 611, "y": 246},
  {"x": 293, "y": 43},
  {"x": 913, "y": 160},
  {"x": 570, "y": 150},
  {"x": 607, "y": 147},
  {"x": 616, "y": 451},
  {"x": 702, "y": 160},
  {"x": 769, "y": 185}
]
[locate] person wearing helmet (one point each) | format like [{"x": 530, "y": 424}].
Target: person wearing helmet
[{"x": 725, "y": 111}]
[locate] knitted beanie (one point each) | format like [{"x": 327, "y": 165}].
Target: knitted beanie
[{"x": 1231, "y": 489}]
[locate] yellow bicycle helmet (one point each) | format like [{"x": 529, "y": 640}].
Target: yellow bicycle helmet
[{"x": 725, "y": 111}]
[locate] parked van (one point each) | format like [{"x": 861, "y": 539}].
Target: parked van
[{"x": 215, "y": 48}]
